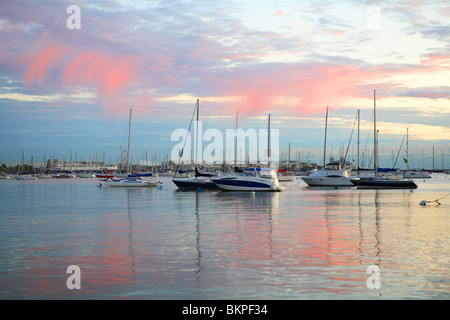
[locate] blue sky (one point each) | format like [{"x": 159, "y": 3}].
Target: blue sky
[{"x": 70, "y": 90}]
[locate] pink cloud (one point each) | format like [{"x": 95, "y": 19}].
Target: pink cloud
[
  {"x": 109, "y": 73},
  {"x": 41, "y": 61}
]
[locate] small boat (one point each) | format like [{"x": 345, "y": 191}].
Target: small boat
[
  {"x": 4, "y": 176},
  {"x": 284, "y": 176},
  {"x": 26, "y": 177},
  {"x": 86, "y": 175},
  {"x": 251, "y": 179},
  {"x": 128, "y": 182},
  {"x": 104, "y": 175},
  {"x": 63, "y": 176},
  {"x": 45, "y": 176},
  {"x": 416, "y": 174}
]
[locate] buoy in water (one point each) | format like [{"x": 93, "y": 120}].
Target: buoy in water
[
  {"x": 199, "y": 190},
  {"x": 252, "y": 194},
  {"x": 423, "y": 203},
  {"x": 99, "y": 185},
  {"x": 159, "y": 187}
]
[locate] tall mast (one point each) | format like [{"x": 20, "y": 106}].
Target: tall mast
[
  {"x": 196, "y": 134},
  {"x": 407, "y": 149},
  {"x": 375, "y": 142},
  {"x": 235, "y": 140},
  {"x": 325, "y": 141},
  {"x": 268, "y": 142},
  {"x": 128, "y": 152},
  {"x": 358, "y": 139}
]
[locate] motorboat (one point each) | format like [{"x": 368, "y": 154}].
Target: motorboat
[
  {"x": 251, "y": 179},
  {"x": 128, "y": 182},
  {"x": 331, "y": 175}
]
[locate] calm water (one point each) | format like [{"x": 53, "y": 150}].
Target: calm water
[{"x": 145, "y": 243}]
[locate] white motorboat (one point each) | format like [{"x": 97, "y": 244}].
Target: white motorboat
[
  {"x": 128, "y": 182},
  {"x": 331, "y": 175},
  {"x": 26, "y": 177},
  {"x": 251, "y": 179}
]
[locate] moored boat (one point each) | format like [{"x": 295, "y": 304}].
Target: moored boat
[{"x": 251, "y": 179}]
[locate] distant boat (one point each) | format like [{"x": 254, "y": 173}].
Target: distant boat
[
  {"x": 104, "y": 175},
  {"x": 45, "y": 176},
  {"x": 4, "y": 176},
  {"x": 416, "y": 175},
  {"x": 285, "y": 176},
  {"x": 375, "y": 182},
  {"x": 26, "y": 177},
  {"x": 86, "y": 175},
  {"x": 251, "y": 179},
  {"x": 128, "y": 182},
  {"x": 132, "y": 180}
]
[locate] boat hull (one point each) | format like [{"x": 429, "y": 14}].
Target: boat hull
[
  {"x": 194, "y": 184},
  {"x": 136, "y": 183},
  {"x": 384, "y": 184},
  {"x": 327, "y": 181},
  {"x": 230, "y": 184}
]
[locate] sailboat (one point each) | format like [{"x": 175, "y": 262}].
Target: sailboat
[
  {"x": 199, "y": 180},
  {"x": 412, "y": 174},
  {"x": 131, "y": 180},
  {"x": 332, "y": 174},
  {"x": 375, "y": 182}
]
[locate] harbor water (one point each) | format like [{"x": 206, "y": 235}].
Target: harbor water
[{"x": 149, "y": 243}]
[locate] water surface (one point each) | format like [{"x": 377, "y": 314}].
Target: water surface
[{"x": 146, "y": 243}]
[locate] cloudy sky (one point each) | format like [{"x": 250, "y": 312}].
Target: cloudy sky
[{"x": 64, "y": 89}]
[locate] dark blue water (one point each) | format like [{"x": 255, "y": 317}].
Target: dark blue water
[{"x": 145, "y": 243}]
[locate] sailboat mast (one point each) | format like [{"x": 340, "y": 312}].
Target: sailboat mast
[
  {"x": 196, "y": 134},
  {"x": 358, "y": 138},
  {"x": 268, "y": 142},
  {"x": 325, "y": 141},
  {"x": 407, "y": 148},
  {"x": 235, "y": 139},
  {"x": 375, "y": 142},
  {"x": 128, "y": 152}
]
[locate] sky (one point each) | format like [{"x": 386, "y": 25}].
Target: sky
[{"x": 68, "y": 78}]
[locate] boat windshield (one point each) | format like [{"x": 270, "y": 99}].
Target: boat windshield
[
  {"x": 268, "y": 174},
  {"x": 246, "y": 173}
]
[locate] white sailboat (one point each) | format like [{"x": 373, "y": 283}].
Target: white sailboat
[
  {"x": 130, "y": 180},
  {"x": 409, "y": 174}
]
